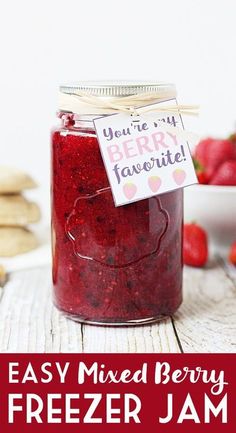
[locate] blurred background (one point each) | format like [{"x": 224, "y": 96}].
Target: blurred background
[{"x": 43, "y": 44}]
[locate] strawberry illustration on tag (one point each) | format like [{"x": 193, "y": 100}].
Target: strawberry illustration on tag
[
  {"x": 129, "y": 190},
  {"x": 179, "y": 176},
  {"x": 154, "y": 183}
]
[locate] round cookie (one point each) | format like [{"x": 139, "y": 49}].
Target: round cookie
[
  {"x": 16, "y": 210},
  {"x": 13, "y": 180},
  {"x": 16, "y": 240}
]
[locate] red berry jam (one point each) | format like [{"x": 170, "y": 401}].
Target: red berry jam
[{"x": 111, "y": 265}]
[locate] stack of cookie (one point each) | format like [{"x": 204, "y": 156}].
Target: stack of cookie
[{"x": 16, "y": 212}]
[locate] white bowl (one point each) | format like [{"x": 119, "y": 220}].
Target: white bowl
[{"x": 214, "y": 208}]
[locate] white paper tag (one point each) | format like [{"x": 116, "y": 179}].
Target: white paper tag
[{"x": 145, "y": 155}]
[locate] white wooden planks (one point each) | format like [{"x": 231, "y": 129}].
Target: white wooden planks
[
  {"x": 149, "y": 338},
  {"x": 30, "y": 323},
  {"x": 206, "y": 322},
  {"x": 28, "y": 320}
]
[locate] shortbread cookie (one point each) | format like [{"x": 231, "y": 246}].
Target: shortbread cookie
[
  {"x": 16, "y": 240},
  {"x": 3, "y": 276},
  {"x": 15, "y": 210},
  {"x": 13, "y": 180}
]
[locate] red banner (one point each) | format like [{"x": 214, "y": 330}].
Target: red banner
[{"x": 125, "y": 393}]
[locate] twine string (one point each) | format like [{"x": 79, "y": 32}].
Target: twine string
[{"x": 85, "y": 103}]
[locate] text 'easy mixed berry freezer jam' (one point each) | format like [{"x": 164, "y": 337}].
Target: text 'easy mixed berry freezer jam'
[{"x": 111, "y": 265}]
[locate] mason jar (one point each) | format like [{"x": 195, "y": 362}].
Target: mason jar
[{"x": 111, "y": 265}]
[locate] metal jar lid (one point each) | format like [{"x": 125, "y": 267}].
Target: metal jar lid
[{"x": 117, "y": 88}]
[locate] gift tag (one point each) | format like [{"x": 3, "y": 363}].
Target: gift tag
[{"x": 145, "y": 155}]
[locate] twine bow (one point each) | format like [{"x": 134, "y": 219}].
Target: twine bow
[{"x": 85, "y": 103}]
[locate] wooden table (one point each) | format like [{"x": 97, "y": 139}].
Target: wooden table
[{"x": 206, "y": 321}]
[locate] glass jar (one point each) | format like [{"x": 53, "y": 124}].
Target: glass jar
[{"x": 111, "y": 265}]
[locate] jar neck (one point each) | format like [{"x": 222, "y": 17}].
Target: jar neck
[{"x": 72, "y": 120}]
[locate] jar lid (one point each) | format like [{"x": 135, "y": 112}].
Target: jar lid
[{"x": 117, "y": 88}]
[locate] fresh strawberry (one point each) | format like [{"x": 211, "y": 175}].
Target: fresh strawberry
[
  {"x": 211, "y": 153},
  {"x": 202, "y": 151},
  {"x": 232, "y": 254},
  {"x": 202, "y": 178},
  {"x": 195, "y": 249},
  {"x": 200, "y": 171},
  {"x": 225, "y": 174},
  {"x": 232, "y": 138}
]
